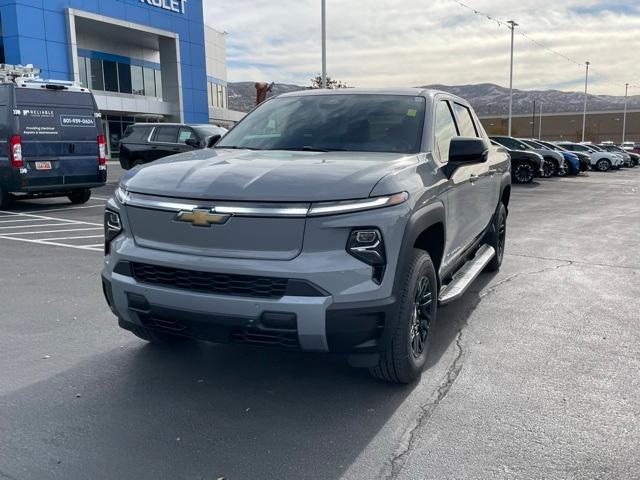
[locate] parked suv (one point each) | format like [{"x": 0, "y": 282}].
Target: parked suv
[
  {"x": 601, "y": 161},
  {"x": 52, "y": 143},
  {"x": 554, "y": 161},
  {"x": 326, "y": 221},
  {"x": 584, "y": 158},
  {"x": 145, "y": 142},
  {"x": 525, "y": 166}
]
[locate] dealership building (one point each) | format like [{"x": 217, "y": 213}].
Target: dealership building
[{"x": 145, "y": 60}]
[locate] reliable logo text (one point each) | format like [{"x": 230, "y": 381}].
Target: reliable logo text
[{"x": 177, "y": 6}]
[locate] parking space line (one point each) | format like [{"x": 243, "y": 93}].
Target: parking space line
[
  {"x": 93, "y": 248},
  {"x": 34, "y": 226},
  {"x": 22, "y": 220},
  {"x": 69, "y": 238},
  {"x": 64, "y": 209},
  {"x": 9, "y": 235},
  {"x": 43, "y": 217}
]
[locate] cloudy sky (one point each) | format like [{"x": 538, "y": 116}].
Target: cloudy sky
[{"x": 378, "y": 43}]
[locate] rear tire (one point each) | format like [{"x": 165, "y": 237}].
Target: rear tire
[
  {"x": 406, "y": 354},
  {"x": 496, "y": 237},
  {"x": 603, "y": 165},
  {"x": 79, "y": 196},
  {"x": 523, "y": 172},
  {"x": 5, "y": 198}
]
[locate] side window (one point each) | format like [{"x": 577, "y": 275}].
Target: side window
[
  {"x": 511, "y": 144},
  {"x": 445, "y": 129},
  {"x": 465, "y": 121},
  {"x": 185, "y": 134},
  {"x": 166, "y": 135}
]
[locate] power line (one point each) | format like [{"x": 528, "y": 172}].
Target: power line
[{"x": 505, "y": 24}]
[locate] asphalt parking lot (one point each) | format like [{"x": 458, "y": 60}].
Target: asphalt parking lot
[{"x": 534, "y": 373}]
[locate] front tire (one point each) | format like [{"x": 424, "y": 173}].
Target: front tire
[
  {"x": 79, "y": 196},
  {"x": 603, "y": 165},
  {"x": 563, "y": 170},
  {"x": 523, "y": 172},
  {"x": 406, "y": 354},
  {"x": 548, "y": 169},
  {"x": 496, "y": 237}
]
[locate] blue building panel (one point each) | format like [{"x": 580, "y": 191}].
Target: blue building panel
[{"x": 36, "y": 32}]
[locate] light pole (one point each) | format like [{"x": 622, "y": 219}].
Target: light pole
[
  {"x": 624, "y": 117},
  {"x": 513, "y": 26},
  {"x": 324, "y": 44},
  {"x": 540, "y": 123},
  {"x": 584, "y": 113}
]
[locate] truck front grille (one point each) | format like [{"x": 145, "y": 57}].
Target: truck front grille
[{"x": 214, "y": 283}]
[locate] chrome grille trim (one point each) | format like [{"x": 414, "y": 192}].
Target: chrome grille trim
[{"x": 246, "y": 209}]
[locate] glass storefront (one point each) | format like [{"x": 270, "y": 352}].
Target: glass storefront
[{"x": 106, "y": 75}]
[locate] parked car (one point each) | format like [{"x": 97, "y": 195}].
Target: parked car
[
  {"x": 145, "y": 142},
  {"x": 631, "y": 147},
  {"x": 325, "y": 221},
  {"x": 610, "y": 147},
  {"x": 571, "y": 160},
  {"x": 601, "y": 161},
  {"x": 584, "y": 158},
  {"x": 554, "y": 162},
  {"x": 52, "y": 141},
  {"x": 626, "y": 159},
  {"x": 525, "y": 166}
]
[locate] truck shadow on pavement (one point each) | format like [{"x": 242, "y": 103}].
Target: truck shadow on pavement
[{"x": 206, "y": 411}]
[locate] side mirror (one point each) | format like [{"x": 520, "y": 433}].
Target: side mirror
[
  {"x": 212, "y": 140},
  {"x": 467, "y": 150},
  {"x": 192, "y": 142}
]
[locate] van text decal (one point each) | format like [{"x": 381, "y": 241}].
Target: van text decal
[
  {"x": 77, "y": 121},
  {"x": 36, "y": 112}
]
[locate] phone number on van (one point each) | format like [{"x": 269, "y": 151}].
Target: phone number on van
[{"x": 77, "y": 121}]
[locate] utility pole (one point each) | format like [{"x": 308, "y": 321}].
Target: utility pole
[
  {"x": 540, "y": 123},
  {"x": 513, "y": 26},
  {"x": 533, "y": 122},
  {"x": 324, "y": 43},
  {"x": 584, "y": 114},
  {"x": 624, "y": 117}
]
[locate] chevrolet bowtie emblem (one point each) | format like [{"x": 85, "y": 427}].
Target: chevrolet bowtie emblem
[{"x": 202, "y": 217}]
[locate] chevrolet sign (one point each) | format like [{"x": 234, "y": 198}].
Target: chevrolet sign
[{"x": 177, "y": 6}]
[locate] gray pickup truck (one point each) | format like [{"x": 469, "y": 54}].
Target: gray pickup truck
[{"x": 325, "y": 221}]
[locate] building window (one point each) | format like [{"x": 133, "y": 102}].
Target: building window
[
  {"x": 149, "y": 82},
  {"x": 124, "y": 77},
  {"x": 82, "y": 67},
  {"x": 97, "y": 80},
  {"x": 137, "y": 80},
  {"x": 110, "y": 76}
]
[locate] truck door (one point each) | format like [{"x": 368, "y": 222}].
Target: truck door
[
  {"x": 486, "y": 188},
  {"x": 460, "y": 200}
]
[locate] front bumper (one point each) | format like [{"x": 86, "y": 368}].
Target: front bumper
[{"x": 306, "y": 323}]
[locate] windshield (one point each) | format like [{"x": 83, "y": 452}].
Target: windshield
[
  {"x": 536, "y": 145},
  {"x": 553, "y": 146},
  {"x": 369, "y": 123}
]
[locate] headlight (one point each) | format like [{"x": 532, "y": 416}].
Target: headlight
[
  {"x": 112, "y": 228},
  {"x": 366, "y": 245},
  {"x": 333, "y": 208}
]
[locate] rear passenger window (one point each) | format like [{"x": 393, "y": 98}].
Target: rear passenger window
[
  {"x": 465, "y": 121},
  {"x": 166, "y": 135},
  {"x": 445, "y": 130},
  {"x": 186, "y": 134}
]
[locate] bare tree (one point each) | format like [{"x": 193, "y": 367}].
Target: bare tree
[{"x": 316, "y": 82}]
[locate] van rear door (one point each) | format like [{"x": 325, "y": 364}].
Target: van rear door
[{"x": 59, "y": 130}]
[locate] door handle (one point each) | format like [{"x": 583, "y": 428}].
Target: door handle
[{"x": 473, "y": 178}]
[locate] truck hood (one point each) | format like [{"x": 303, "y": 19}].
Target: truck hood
[{"x": 251, "y": 175}]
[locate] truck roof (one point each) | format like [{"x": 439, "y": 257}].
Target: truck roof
[{"x": 416, "y": 92}]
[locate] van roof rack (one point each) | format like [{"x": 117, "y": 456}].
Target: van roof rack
[{"x": 28, "y": 76}]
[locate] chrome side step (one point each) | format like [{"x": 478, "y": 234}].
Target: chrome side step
[{"x": 466, "y": 275}]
